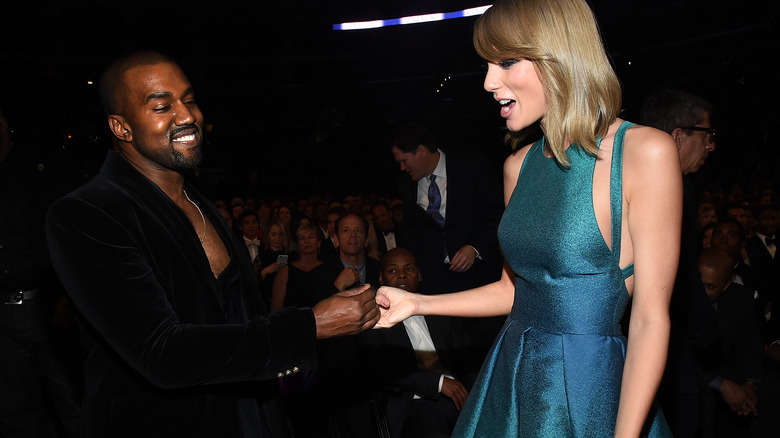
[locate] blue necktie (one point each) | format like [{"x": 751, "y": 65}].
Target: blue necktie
[{"x": 434, "y": 202}]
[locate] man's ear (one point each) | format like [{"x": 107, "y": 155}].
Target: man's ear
[
  {"x": 420, "y": 149},
  {"x": 677, "y": 137},
  {"x": 120, "y": 128},
  {"x": 381, "y": 278}
]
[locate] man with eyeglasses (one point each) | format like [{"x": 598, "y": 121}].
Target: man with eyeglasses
[{"x": 687, "y": 118}]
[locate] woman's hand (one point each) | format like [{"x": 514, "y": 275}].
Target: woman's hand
[
  {"x": 395, "y": 305},
  {"x": 270, "y": 269}
]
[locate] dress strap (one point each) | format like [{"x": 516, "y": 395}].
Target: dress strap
[{"x": 616, "y": 194}]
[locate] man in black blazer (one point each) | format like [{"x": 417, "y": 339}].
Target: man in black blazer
[
  {"x": 386, "y": 236},
  {"x": 160, "y": 281},
  {"x": 732, "y": 366},
  {"x": 761, "y": 249},
  {"x": 414, "y": 368}
]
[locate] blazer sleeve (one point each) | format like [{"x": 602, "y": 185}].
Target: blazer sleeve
[{"x": 112, "y": 284}]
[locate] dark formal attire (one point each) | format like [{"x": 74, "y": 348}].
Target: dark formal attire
[
  {"x": 369, "y": 272},
  {"x": 307, "y": 288},
  {"x": 408, "y": 387},
  {"x": 473, "y": 209},
  {"x": 766, "y": 269},
  {"x": 387, "y": 240},
  {"x": 473, "y": 206},
  {"x": 737, "y": 355},
  {"x": 328, "y": 249},
  {"x": 693, "y": 325},
  {"x": 39, "y": 395},
  {"x": 166, "y": 338}
]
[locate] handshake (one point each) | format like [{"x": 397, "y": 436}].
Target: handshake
[{"x": 352, "y": 311}]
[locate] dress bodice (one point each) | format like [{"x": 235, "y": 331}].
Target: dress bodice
[{"x": 550, "y": 238}]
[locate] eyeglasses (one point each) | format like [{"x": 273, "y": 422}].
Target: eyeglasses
[{"x": 709, "y": 132}]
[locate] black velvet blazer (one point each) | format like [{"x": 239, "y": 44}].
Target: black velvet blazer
[{"x": 164, "y": 353}]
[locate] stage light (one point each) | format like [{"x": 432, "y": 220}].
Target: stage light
[{"x": 414, "y": 19}]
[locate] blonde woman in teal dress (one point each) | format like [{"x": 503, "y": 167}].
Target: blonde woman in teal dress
[{"x": 592, "y": 221}]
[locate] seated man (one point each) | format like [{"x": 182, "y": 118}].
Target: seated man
[
  {"x": 413, "y": 363},
  {"x": 732, "y": 366}
]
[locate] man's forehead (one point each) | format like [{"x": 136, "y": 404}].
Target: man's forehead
[
  {"x": 399, "y": 259},
  {"x": 144, "y": 81}
]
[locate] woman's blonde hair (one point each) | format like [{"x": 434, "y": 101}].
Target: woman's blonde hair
[
  {"x": 285, "y": 240},
  {"x": 562, "y": 39}
]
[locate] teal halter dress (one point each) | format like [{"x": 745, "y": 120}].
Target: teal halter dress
[{"x": 555, "y": 369}]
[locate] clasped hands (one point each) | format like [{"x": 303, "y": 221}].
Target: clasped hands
[{"x": 361, "y": 308}]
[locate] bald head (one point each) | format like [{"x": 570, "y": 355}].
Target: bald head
[{"x": 716, "y": 267}]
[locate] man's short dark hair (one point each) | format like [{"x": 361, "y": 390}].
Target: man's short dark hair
[
  {"x": 111, "y": 79},
  {"x": 414, "y": 134},
  {"x": 245, "y": 214},
  {"x": 669, "y": 109},
  {"x": 731, "y": 220},
  {"x": 338, "y": 211},
  {"x": 380, "y": 204}
]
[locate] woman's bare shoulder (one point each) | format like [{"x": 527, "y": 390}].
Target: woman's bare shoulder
[
  {"x": 514, "y": 162},
  {"x": 644, "y": 145}
]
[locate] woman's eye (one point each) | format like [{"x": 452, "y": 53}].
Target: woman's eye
[{"x": 507, "y": 63}]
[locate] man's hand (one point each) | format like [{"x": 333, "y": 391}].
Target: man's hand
[
  {"x": 463, "y": 259},
  {"x": 740, "y": 398},
  {"x": 346, "y": 313},
  {"x": 347, "y": 277},
  {"x": 455, "y": 391}
]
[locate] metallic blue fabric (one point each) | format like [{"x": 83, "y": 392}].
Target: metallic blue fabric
[{"x": 555, "y": 369}]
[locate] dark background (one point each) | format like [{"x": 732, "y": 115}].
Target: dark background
[{"x": 296, "y": 108}]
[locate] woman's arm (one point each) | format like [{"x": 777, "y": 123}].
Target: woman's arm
[
  {"x": 652, "y": 183},
  {"x": 493, "y": 299},
  {"x": 279, "y": 290}
]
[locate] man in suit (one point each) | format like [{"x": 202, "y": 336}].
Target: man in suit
[
  {"x": 160, "y": 281},
  {"x": 414, "y": 367},
  {"x": 732, "y": 365},
  {"x": 338, "y": 362},
  {"x": 386, "y": 236},
  {"x": 328, "y": 247},
  {"x": 453, "y": 204},
  {"x": 761, "y": 249},
  {"x": 356, "y": 266}
]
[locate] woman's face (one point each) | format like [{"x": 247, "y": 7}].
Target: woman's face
[
  {"x": 516, "y": 87},
  {"x": 276, "y": 238},
  {"x": 308, "y": 242},
  {"x": 284, "y": 214}
]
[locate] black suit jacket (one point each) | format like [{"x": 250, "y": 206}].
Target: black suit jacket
[
  {"x": 381, "y": 245},
  {"x": 372, "y": 270},
  {"x": 738, "y": 352},
  {"x": 164, "y": 345},
  {"x": 474, "y": 209},
  {"x": 394, "y": 371},
  {"x": 765, "y": 268}
]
